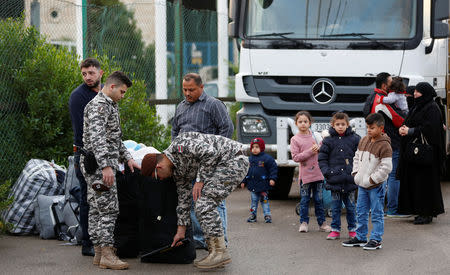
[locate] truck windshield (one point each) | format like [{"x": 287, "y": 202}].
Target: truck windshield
[{"x": 320, "y": 19}]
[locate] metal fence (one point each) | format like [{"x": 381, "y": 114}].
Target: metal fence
[{"x": 122, "y": 30}]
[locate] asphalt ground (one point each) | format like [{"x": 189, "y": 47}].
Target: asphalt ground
[{"x": 261, "y": 248}]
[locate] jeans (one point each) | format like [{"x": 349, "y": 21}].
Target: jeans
[
  {"x": 316, "y": 188},
  {"x": 393, "y": 186},
  {"x": 370, "y": 200},
  {"x": 337, "y": 198},
  {"x": 262, "y": 197},
  {"x": 84, "y": 206},
  {"x": 197, "y": 230}
]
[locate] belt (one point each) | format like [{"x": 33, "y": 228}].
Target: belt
[{"x": 78, "y": 149}]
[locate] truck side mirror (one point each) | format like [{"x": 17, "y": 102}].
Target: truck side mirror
[
  {"x": 439, "y": 11},
  {"x": 265, "y": 3},
  {"x": 235, "y": 16}
]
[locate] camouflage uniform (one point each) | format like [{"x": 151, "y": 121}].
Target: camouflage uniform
[
  {"x": 103, "y": 136},
  {"x": 216, "y": 161}
]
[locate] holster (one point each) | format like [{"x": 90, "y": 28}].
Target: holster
[{"x": 90, "y": 164}]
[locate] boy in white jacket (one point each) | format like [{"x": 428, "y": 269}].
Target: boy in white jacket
[{"x": 371, "y": 167}]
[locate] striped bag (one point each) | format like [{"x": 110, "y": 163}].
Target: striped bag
[{"x": 38, "y": 177}]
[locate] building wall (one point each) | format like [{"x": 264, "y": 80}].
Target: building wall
[{"x": 58, "y": 19}]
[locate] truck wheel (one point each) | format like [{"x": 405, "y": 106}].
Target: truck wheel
[{"x": 283, "y": 185}]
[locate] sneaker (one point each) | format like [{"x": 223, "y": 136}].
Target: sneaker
[
  {"x": 351, "y": 234},
  {"x": 372, "y": 245},
  {"x": 325, "y": 227},
  {"x": 333, "y": 235},
  {"x": 303, "y": 227},
  {"x": 354, "y": 242},
  {"x": 398, "y": 216},
  {"x": 252, "y": 218},
  {"x": 267, "y": 219}
]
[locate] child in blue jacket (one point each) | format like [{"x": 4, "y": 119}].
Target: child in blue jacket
[
  {"x": 261, "y": 176},
  {"x": 336, "y": 162}
]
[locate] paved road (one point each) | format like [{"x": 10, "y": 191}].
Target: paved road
[{"x": 260, "y": 248}]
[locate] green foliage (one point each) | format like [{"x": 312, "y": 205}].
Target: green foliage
[
  {"x": 139, "y": 121},
  {"x": 236, "y": 106},
  {"x": 48, "y": 78},
  {"x": 4, "y": 193},
  {"x": 4, "y": 203},
  {"x": 36, "y": 80},
  {"x": 112, "y": 32},
  {"x": 17, "y": 44}
]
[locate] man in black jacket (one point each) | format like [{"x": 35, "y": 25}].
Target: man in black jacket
[
  {"x": 383, "y": 81},
  {"x": 80, "y": 97}
]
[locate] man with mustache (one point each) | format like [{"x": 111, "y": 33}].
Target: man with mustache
[
  {"x": 80, "y": 97},
  {"x": 204, "y": 114}
]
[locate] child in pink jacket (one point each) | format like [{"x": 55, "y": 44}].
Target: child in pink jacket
[{"x": 305, "y": 149}]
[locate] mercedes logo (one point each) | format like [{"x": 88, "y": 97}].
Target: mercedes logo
[{"x": 322, "y": 91}]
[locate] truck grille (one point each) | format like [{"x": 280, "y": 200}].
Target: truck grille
[{"x": 308, "y": 80}]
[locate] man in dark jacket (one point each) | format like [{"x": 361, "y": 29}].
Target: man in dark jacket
[
  {"x": 260, "y": 178},
  {"x": 80, "y": 97},
  {"x": 383, "y": 81}
]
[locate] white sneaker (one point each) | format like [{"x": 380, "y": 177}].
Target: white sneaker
[
  {"x": 325, "y": 227},
  {"x": 303, "y": 227},
  {"x": 399, "y": 216}
]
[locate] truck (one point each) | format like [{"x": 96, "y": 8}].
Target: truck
[{"x": 323, "y": 56}]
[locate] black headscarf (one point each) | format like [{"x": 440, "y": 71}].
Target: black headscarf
[
  {"x": 410, "y": 99},
  {"x": 428, "y": 93}
]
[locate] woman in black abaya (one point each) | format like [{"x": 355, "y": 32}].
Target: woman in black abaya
[{"x": 420, "y": 187}]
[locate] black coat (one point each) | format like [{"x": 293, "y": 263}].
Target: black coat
[
  {"x": 336, "y": 160},
  {"x": 420, "y": 188}
]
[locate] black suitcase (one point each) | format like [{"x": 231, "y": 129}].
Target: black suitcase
[
  {"x": 158, "y": 223},
  {"x": 126, "y": 232},
  {"x": 147, "y": 220}
]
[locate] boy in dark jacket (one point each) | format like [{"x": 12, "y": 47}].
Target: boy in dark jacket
[
  {"x": 260, "y": 177},
  {"x": 336, "y": 163}
]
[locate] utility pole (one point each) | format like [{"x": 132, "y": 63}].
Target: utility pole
[
  {"x": 222, "y": 47},
  {"x": 35, "y": 14},
  {"x": 81, "y": 21},
  {"x": 178, "y": 46},
  {"x": 161, "y": 58}
]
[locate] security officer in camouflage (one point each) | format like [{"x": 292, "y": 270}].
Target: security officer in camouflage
[
  {"x": 218, "y": 165},
  {"x": 103, "y": 136}
]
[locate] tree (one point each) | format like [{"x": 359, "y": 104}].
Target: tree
[
  {"x": 112, "y": 31},
  {"x": 37, "y": 79}
]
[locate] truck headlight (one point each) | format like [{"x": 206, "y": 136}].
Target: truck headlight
[{"x": 254, "y": 125}]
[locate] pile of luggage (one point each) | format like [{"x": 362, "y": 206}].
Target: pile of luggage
[
  {"x": 46, "y": 202},
  {"x": 47, "y": 198}
]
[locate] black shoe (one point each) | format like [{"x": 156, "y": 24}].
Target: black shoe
[
  {"x": 87, "y": 250},
  {"x": 372, "y": 245},
  {"x": 354, "y": 242},
  {"x": 423, "y": 220},
  {"x": 428, "y": 219},
  {"x": 268, "y": 219},
  {"x": 252, "y": 218}
]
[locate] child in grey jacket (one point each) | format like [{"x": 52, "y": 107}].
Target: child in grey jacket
[{"x": 371, "y": 167}]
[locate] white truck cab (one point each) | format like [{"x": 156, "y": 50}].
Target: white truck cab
[{"x": 322, "y": 56}]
